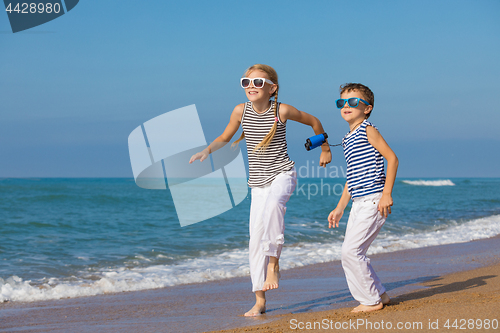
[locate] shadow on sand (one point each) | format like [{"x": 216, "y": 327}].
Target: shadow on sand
[
  {"x": 342, "y": 296},
  {"x": 438, "y": 288}
]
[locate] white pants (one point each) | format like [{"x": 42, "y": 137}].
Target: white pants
[
  {"x": 363, "y": 226},
  {"x": 267, "y": 224}
]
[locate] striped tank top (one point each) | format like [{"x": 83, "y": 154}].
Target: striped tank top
[
  {"x": 263, "y": 167},
  {"x": 365, "y": 165}
]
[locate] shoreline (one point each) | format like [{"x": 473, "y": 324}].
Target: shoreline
[
  {"x": 464, "y": 300},
  {"x": 217, "y": 305}
]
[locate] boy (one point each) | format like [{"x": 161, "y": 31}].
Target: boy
[{"x": 370, "y": 190}]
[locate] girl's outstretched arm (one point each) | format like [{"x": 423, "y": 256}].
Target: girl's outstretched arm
[
  {"x": 378, "y": 142},
  {"x": 289, "y": 112},
  {"x": 224, "y": 138}
]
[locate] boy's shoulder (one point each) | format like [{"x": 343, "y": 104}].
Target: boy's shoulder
[
  {"x": 367, "y": 124},
  {"x": 361, "y": 134},
  {"x": 370, "y": 127}
]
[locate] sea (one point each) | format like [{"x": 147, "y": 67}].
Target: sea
[{"x": 72, "y": 237}]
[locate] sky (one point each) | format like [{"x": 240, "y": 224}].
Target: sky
[{"x": 73, "y": 89}]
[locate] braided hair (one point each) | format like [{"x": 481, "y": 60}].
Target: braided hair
[{"x": 273, "y": 76}]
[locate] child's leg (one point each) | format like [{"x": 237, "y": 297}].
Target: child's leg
[
  {"x": 260, "y": 305},
  {"x": 363, "y": 226},
  {"x": 258, "y": 261},
  {"x": 274, "y": 224},
  {"x": 266, "y": 225}
]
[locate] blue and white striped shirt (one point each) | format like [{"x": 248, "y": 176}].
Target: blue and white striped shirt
[{"x": 365, "y": 165}]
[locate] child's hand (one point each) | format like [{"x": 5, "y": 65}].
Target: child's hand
[
  {"x": 334, "y": 217},
  {"x": 325, "y": 158},
  {"x": 384, "y": 205},
  {"x": 202, "y": 155}
]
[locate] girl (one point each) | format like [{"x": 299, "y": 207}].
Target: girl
[{"x": 272, "y": 175}]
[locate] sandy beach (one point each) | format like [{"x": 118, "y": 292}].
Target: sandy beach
[
  {"x": 467, "y": 300},
  {"x": 429, "y": 286}
]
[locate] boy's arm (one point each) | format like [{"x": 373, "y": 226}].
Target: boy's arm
[
  {"x": 378, "y": 142},
  {"x": 336, "y": 214}
]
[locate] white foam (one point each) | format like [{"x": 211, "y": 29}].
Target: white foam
[
  {"x": 444, "y": 182},
  {"x": 235, "y": 263}
]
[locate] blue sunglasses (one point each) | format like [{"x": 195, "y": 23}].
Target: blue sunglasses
[{"x": 353, "y": 102}]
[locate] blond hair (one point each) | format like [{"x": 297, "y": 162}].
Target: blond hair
[{"x": 273, "y": 76}]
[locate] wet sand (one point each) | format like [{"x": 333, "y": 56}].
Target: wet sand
[
  {"x": 457, "y": 281},
  {"x": 467, "y": 300}
]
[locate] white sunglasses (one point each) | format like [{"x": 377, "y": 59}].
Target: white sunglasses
[{"x": 258, "y": 82}]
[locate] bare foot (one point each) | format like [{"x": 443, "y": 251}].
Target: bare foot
[
  {"x": 257, "y": 310},
  {"x": 273, "y": 277},
  {"x": 368, "y": 308},
  {"x": 385, "y": 299}
]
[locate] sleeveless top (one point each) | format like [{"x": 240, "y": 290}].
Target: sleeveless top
[
  {"x": 365, "y": 165},
  {"x": 263, "y": 167}
]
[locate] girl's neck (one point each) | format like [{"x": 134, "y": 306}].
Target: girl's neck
[{"x": 261, "y": 106}]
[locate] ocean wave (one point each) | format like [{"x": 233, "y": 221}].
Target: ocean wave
[
  {"x": 445, "y": 182},
  {"x": 233, "y": 263}
]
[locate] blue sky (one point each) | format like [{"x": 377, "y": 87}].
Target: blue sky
[{"x": 74, "y": 88}]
